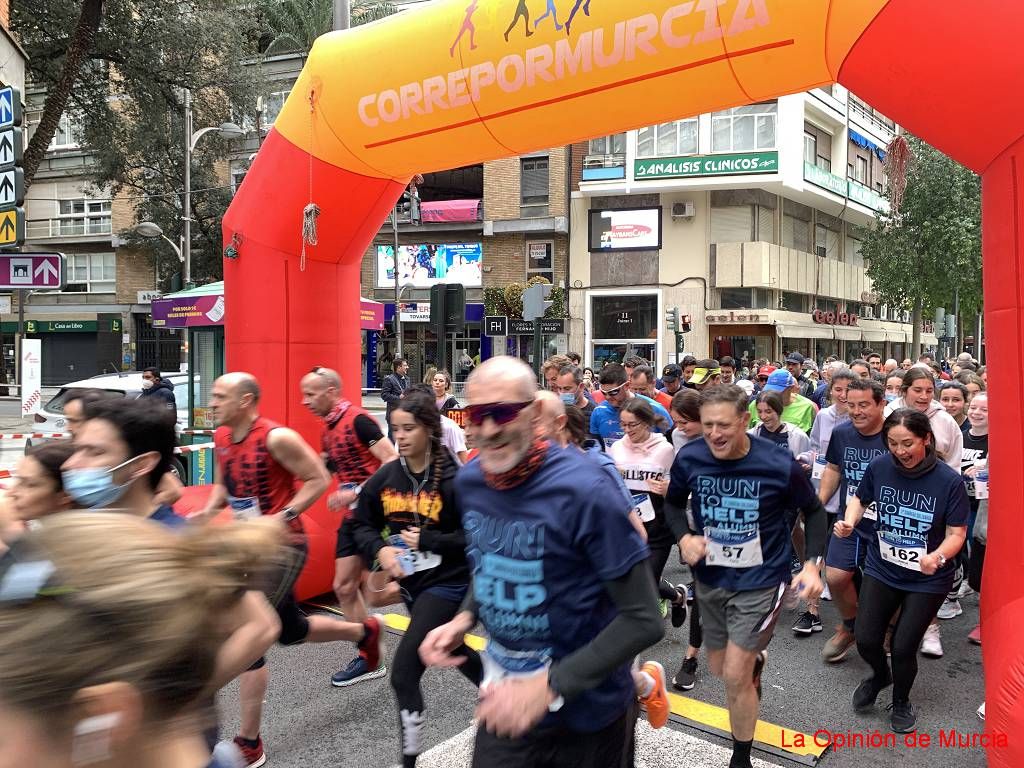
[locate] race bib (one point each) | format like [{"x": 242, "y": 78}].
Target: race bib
[
  {"x": 414, "y": 560},
  {"x": 818, "y": 469},
  {"x": 870, "y": 513},
  {"x": 500, "y": 663},
  {"x": 902, "y": 551},
  {"x": 733, "y": 549},
  {"x": 245, "y": 508},
  {"x": 643, "y": 507}
]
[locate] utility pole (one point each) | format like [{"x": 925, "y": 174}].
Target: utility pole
[
  {"x": 398, "y": 306},
  {"x": 186, "y": 207},
  {"x": 342, "y": 14}
]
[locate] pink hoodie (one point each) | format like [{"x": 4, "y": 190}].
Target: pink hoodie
[{"x": 639, "y": 462}]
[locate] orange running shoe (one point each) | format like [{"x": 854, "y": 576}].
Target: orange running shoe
[{"x": 656, "y": 702}]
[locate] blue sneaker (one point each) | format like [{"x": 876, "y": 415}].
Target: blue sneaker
[{"x": 357, "y": 671}]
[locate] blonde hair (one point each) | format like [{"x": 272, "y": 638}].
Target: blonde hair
[{"x": 130, "y": 600}]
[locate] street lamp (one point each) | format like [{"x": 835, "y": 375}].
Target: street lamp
[
  {"x": 226, "y": 131},
  {"x": 150, "y": 229}
]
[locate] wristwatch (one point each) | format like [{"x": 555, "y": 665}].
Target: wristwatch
[
  {"x": 942, "y": 559},
  {"x": 289, "y": 513}
]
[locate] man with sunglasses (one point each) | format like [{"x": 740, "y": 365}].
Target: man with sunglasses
[
  {"x": 604, "y": 421},
  {"x": 560, "y": 583},
  {"x": 353, "y": 447}
]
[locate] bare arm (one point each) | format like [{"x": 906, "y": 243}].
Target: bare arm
[
  {"x": 384, "y": 451},
  {"x": 294, "y": 454},
  {"x": 169, "y": 490},
  {"x": 829, "y": 483}
]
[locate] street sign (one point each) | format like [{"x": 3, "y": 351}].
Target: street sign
[
  {"x": 495, "y": 325},
  {"x": 518, "y": 327},
  {"x": 12, "y": 226},
  {"x": 10, "y": 107},
  {"x": 12, "y": 187},
  {"x": 31, "y": 270},
  {"x": 552, "y": 327},
  {"x": 11, "y": 147}
]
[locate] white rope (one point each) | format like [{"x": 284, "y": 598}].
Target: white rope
[{"x": 312, "y": 210}]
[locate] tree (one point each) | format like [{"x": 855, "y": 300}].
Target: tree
[
  {"x": 930, "y": 247},
  {"x": 292, "y": 26}
]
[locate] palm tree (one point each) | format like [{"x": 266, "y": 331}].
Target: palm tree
[{"x": 294, "y": 25}]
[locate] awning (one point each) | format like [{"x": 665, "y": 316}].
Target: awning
[
  {"x": 451, "y": 210},
  {"x": 929, "y": 339},
  {"x": 199, "y": 306},
  {"x": 897, "y": 336},
  {"x": 371, "y": 315},
  {"x": 865, "y": 143},
  {"x": 848, "y": 334},
  {"x": 804, "y": 331},
  {"x": 873, "y": 334}
]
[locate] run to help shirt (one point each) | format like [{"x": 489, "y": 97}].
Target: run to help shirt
[
  {"x": 740, "y": 507},
  {"x": 540, "y": 554},
  {"x": 604, "y": 421},
  {"x": 912, "y": 517},
  {"x": 852, "y": 452}
]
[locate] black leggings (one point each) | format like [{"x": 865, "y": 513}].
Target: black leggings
[
  {"x": 427, "y": 612},
  {"x": 878, "y": 604}
]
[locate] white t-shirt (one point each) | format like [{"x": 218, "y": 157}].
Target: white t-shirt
[{"x": 453, "y": 438}]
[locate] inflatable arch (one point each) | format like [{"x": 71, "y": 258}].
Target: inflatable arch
[{"x": 462, "y": 81}]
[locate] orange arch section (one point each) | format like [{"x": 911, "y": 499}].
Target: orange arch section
[{"x": 461, "y": 82}]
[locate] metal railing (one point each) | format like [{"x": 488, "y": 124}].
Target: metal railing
[{"x": 68, "y": 226}]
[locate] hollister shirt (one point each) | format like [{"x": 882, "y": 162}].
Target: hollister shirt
[
  {"x": 852, "y": 452},
  {"x": 912, "y": 517},
  {"x": 740, "y": 507},
  {"x": 539, "y": 554}
]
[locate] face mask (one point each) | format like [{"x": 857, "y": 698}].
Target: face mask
[
  {"x": 93, "y": 487},
  {"x": 568, "y": 399},
  {"x": 147, "y": 383},
  {"x": 890, "y": 396}
]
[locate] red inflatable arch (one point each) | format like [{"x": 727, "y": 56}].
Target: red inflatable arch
[{"x": 460, "y": 85}]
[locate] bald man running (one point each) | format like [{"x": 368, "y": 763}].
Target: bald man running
[{"x": 264, "y": 468}]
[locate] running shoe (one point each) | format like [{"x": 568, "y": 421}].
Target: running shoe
[
  {"x": 826, "y": 594},
  {"x": 679, "y": 607},
  {"x": 965, "y": 590},
  {"x": 838, "y": 645},
  {"x": 656, "y": 702},
  {"x": 949, "y": 609},
  {"x": 689, "y": 594},
  {"x": 931, "y": 645},
  {"x": 903, "y": 718},
  {"x": 980, "y": 712},
  {"x": 975, "y": 635},
  {"x": 686, "y": 677},
  {"x": 369, "y": 664},
  {"x": 663, "y": 606},
  {"x": 252, "y": 757},
  {"x": 759, "y": 663},
  {"x": 807, "y": 623},
  {"x": 864, "y": 695},
  {"x": 795, "y": 565}
]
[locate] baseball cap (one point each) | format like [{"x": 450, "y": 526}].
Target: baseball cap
[
  {"x": 671, "y": 372},
  {"x": 780, "y": 381},
  {"x": 795, "y": 357},
  {"x": 700, "y": 375},
  {"x": 766, "y": 370},
  {"x": 810, "y": 365},
  {"x": 746, "y": 385}
]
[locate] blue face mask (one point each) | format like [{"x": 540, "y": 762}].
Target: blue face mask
[
  {"x": 93, "y": 487},
  {"x": 568, "y": 399},
  {"x": 890, "y": 396}
]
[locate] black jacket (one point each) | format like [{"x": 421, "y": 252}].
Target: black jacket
[
  {"x": 162, "y": 390},
  {"x": 392, "y": 388}
]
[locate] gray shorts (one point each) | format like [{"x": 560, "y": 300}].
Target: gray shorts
[{"x": 746, "y": 619}]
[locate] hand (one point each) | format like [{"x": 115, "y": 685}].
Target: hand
[
  {"x": 411, "y": 537},
  {"x": 972, "y": 472},
  {"x": 807, "y": 583},
  {"x": 693, "y": 548},
  {"x": 842, "y": 529},
  {"x": 511, "y": 707},
  {"x": 388, "y": 557},
  {"x": 341, "y": 499},
  {"x": 436, "y": 648},
  {"x": 658, "y": 486},
  {"x": 806, "y": 466},
  {"x": 929, "y": 564}
]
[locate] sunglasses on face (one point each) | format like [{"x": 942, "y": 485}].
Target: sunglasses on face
[
  {"x": 500, "y": 413},
  {"x": 613, "y": 392}
]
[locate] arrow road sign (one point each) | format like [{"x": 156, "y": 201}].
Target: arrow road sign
[
  {"x": 10, "y": 107},
  {"x": 12, "y": 226},
  {"x": 12, "y": 187},
  {"x": 11, "y": 147},
  {"x": 31, "y": 270}
]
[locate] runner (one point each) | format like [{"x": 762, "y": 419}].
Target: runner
[
  {"x": 918, "y": 393},
  {"x": 741, "y": 488},
  {"x": 604, "y": 422},
  {"x": 672, "y": 378},
  {"x": 977, "y": 439},
  {"x": 852, "y": 448},
  {"x": 953, "y": 396},
  {"x": 706, "y": 374},
  {"x": 922, "y": 520},
  {"x": 264, "y": 469},
  {"x": 424, "y": 554},
  {"x": 728, "y": 368},
  {"x": 442, "y": 386},
  {"x": 571, "y": 388},
  {"x": 642, "y": 381},
  {"x": 770, "y": 427},
  {"x": 453, "y": 437},
  {"x": 797, "y": 409},
  {"x": 561, "y": 586},
  {"x": 36, "y": 488},
  {"x": 353, "y": 448},
  {"x": 110, "y": 632},
  {"x": 894, "y": 385}
]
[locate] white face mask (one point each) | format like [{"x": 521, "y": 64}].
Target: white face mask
[{"x": 147, "y": 383}]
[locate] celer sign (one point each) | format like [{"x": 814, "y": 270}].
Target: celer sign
[
  {"x": 706, "y": 165},
  {"x": 732, "y": 317},
  {"x": 822, "y": 317}
]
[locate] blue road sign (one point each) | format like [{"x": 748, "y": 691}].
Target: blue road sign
[{"x": 10, "y": 107}]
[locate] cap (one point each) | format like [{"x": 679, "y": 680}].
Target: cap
[
  {"x": 780, "y": 381},
  {"x": 746, "y": 385},
  {"x": 766, "y": 370},
  {"x": 795, "y": 357},
  {"x": 671, "y": 372},
  {"x": 701, "y": 375},
  {"x": 964, "y": 357},
  {"x": 810, "y": 365}
]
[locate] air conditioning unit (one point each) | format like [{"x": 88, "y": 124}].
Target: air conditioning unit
[
  {"x": 883, "y": 312},
  {"x": 867, "y": 312},
  {"x": 820, "y": 251},
  {"x": 685, "y": 210}
]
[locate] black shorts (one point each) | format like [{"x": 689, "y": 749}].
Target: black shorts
[
  {"x": 346, "y": 546},
  {"x": 280, "y": 593}
]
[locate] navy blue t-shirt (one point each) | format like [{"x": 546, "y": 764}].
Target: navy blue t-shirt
[
  {"x": 164, "y": 514},
  {"x": 540, "y": 554},
  {"x": 742, "y": 502},
  {"x": 912, "y": 517},
  {"x": 852, "y": 452}
]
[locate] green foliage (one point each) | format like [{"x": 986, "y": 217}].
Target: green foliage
[
  {"x": 933, "y": 245},
  {"x": 508, "y": 300},
  {"x": 292, "y": 26}
]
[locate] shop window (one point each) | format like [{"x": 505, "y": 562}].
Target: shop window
[
  {"x": 624, "y": 317},
  {"x": 540, "y": 261}
]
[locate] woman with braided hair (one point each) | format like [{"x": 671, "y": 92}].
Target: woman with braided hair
[{"x": 411, "y": 501}]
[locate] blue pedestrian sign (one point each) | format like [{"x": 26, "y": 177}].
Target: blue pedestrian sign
[{"x": 10, "y": 107}]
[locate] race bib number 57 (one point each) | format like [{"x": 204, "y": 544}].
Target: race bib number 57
[{"x": 732, "y": 549}]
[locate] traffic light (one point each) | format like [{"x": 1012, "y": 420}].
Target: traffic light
[
  {"x": 950, "y": 326},
  {"x": 684, "y": 324},
  {"x": 672, "y": 319},
  {"x": 535, "y": 301},
  {"x": 409, "y": 206}
]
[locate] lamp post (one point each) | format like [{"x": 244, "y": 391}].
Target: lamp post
[
  {"x": 151, "y": 229},
  {"x": 225, "y": 131}
]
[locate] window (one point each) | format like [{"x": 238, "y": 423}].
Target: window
[
  {"x": 69, "y": 133},
  {"x": 238, "y": 171},
  {"x": 608, "y": 145},
  {"x": 860, "y": 170},
  {"x": 736, "y": 298},
  {"x": 668, "y": 139},
  {"x": 624, "y": 317},
  {"x": 540, "y": 261},
  {"x": 534, "y": 182},
  {"x": 826, "y": 305},
  {"x": 81, "y": 216},
  {"x": 793, "y": 302},
  {"x": 91, "y": 273},
  {"x": 732, "y": 224},
  {"x": 796, "y": 226},
  {"x": 817, "y": 147},
  {"x": 853, "y": 248},
  {"x": 744, "y": 128},
  {"x": 273, "y": 103},
  {"x": 827, "y": 236}
]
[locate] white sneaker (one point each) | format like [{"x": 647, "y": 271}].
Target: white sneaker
[
  {"x": 965, "y": 590},
  {"x": 950, "y": 609},
  {"x": 825, "y": 594},
  {"x": 931, "y": 645},
  {"x": 981, "y": 711}
]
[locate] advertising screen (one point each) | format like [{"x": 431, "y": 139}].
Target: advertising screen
[
  {"x": 426, "y": 265},
  {"x": 631, "y": 229}
]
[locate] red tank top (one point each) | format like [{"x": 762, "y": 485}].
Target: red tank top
[
  {"x": 348, "y": 457},
  {"x": 248, "y": 471}
]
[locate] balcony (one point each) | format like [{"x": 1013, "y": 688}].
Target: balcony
[
  {"x": 604, "y": 167},
  {"x": 78, "y": 227}
]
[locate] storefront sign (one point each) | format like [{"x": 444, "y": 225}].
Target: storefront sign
[
  {"x": 822, "y": 178},
  {"x": 188, "y": 311},
  {"x": 61, "y": 326},
  {"x": 866, "y": 197},
  {"x": 732, "y": 317},
  {"x": 414, "y": 312},
  {"x": 822, "y": 317},
  {"x": 145, "y": 297},
  {"x": 706, "y": 165},
  {"x": 371, "y": 315}
]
